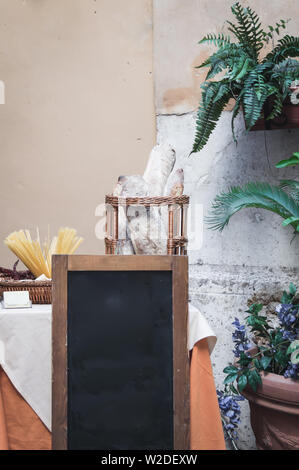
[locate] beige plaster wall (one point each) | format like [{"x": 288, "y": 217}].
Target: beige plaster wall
[{"x": 79, "y": 109}]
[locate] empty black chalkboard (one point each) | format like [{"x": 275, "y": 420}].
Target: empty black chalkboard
[
  {"x": 118, "y": 391},
  {"x": 120, "y": 360}
]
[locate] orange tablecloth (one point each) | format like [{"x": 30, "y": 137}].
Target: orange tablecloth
[
  {"x": 206, "y": 431},
  {"x": 21, "y": 428}
]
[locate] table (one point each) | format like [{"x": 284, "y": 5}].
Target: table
[
  {"x": 25, "y": 381},
  {"x": 25, "y": 377}
]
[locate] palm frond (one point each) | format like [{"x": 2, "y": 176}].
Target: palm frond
[
  {"x": 291, "y": 187},
  {"x": 291, "y": 220},
  {"x": 260, "y": 195},
  {"x": 289, "y": 184}
]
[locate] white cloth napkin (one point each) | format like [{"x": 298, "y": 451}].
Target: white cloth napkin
[{"x": 198, "y": 328}]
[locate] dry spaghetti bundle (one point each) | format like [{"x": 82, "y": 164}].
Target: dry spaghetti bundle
[{"x": 37, "y": 258}]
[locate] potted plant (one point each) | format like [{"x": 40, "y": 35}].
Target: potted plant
[
  {"x": 266, "y": 372},
  {"x": 259, "y": 83}
]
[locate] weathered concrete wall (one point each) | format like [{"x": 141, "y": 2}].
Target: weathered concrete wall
[
  {"x": 253, "y": 255},
  {"x": 79, "y": 110}
]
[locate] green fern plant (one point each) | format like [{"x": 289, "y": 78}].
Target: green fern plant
[
  {"x": 246, "y": 77},
  {"x": 282, "y": 200}
]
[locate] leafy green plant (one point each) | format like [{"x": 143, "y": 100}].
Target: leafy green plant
[
  {"x": 293, "y": 160},
  {"x": 265, "y": 348},
  {"x": 259, "y": 347},
  {"x": 247, "y": 77},
  {"x": 282, "y": 200}
]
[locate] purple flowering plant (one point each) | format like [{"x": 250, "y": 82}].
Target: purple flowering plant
[
  {"x": 230, "y": 414},
  {"x": 276, "y": 350}
]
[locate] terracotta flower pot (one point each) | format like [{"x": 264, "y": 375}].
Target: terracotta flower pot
[{"x": 275, "y": 413}]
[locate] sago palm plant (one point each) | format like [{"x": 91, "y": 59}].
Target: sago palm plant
[
  {"x": 282, "y": 200},
  {"x": 246, "y": 77}
]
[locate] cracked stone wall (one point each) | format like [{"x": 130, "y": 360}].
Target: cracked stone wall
[{"x": 254, "y": 257}]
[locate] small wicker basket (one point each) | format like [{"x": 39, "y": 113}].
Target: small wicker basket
[
  {"x": 176, "y": 225},
  {"x": 40, "y": 292}
]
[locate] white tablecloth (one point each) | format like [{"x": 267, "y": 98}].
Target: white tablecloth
[
  {"x": 25, "y": 343},
  {"x": 25, "y": 351}
]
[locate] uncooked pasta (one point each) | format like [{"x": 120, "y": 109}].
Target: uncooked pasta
[{"x": 36, "y": 257}]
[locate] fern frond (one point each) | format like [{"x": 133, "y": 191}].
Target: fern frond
[
  {"x": 270, "y": 34},
  {"x": 209, "y": 112},
  {"x": 288, "y": 46},
  {"x": 277, "y": 104},
  {"x": 256, "y": 91},
  {"x": 284, "y": 74},
  {"x": 218, "y": 40},
  {"x": 255, "y": 95},
  {"x": 227, "y": 57},
  {"x": 248, "y": 31},
  {"x": 255, "y": 31},
  {"x": 260, "y": 195},
  {"x": 217, "y": 61},
  {"x": 223, "y": 91},
  {"x": 241, "y": 66},
  {"x": 288, "y": 67}
]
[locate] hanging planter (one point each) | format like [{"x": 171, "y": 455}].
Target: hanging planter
[
  {"x": 242, "y": 68},
  {"x": 288, "y": 119}
]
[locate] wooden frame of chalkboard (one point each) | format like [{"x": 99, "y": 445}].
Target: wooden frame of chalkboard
[{"x": 62, "y": 265}]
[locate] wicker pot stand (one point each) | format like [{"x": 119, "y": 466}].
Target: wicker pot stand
[{"x": 274, "y": 413}]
